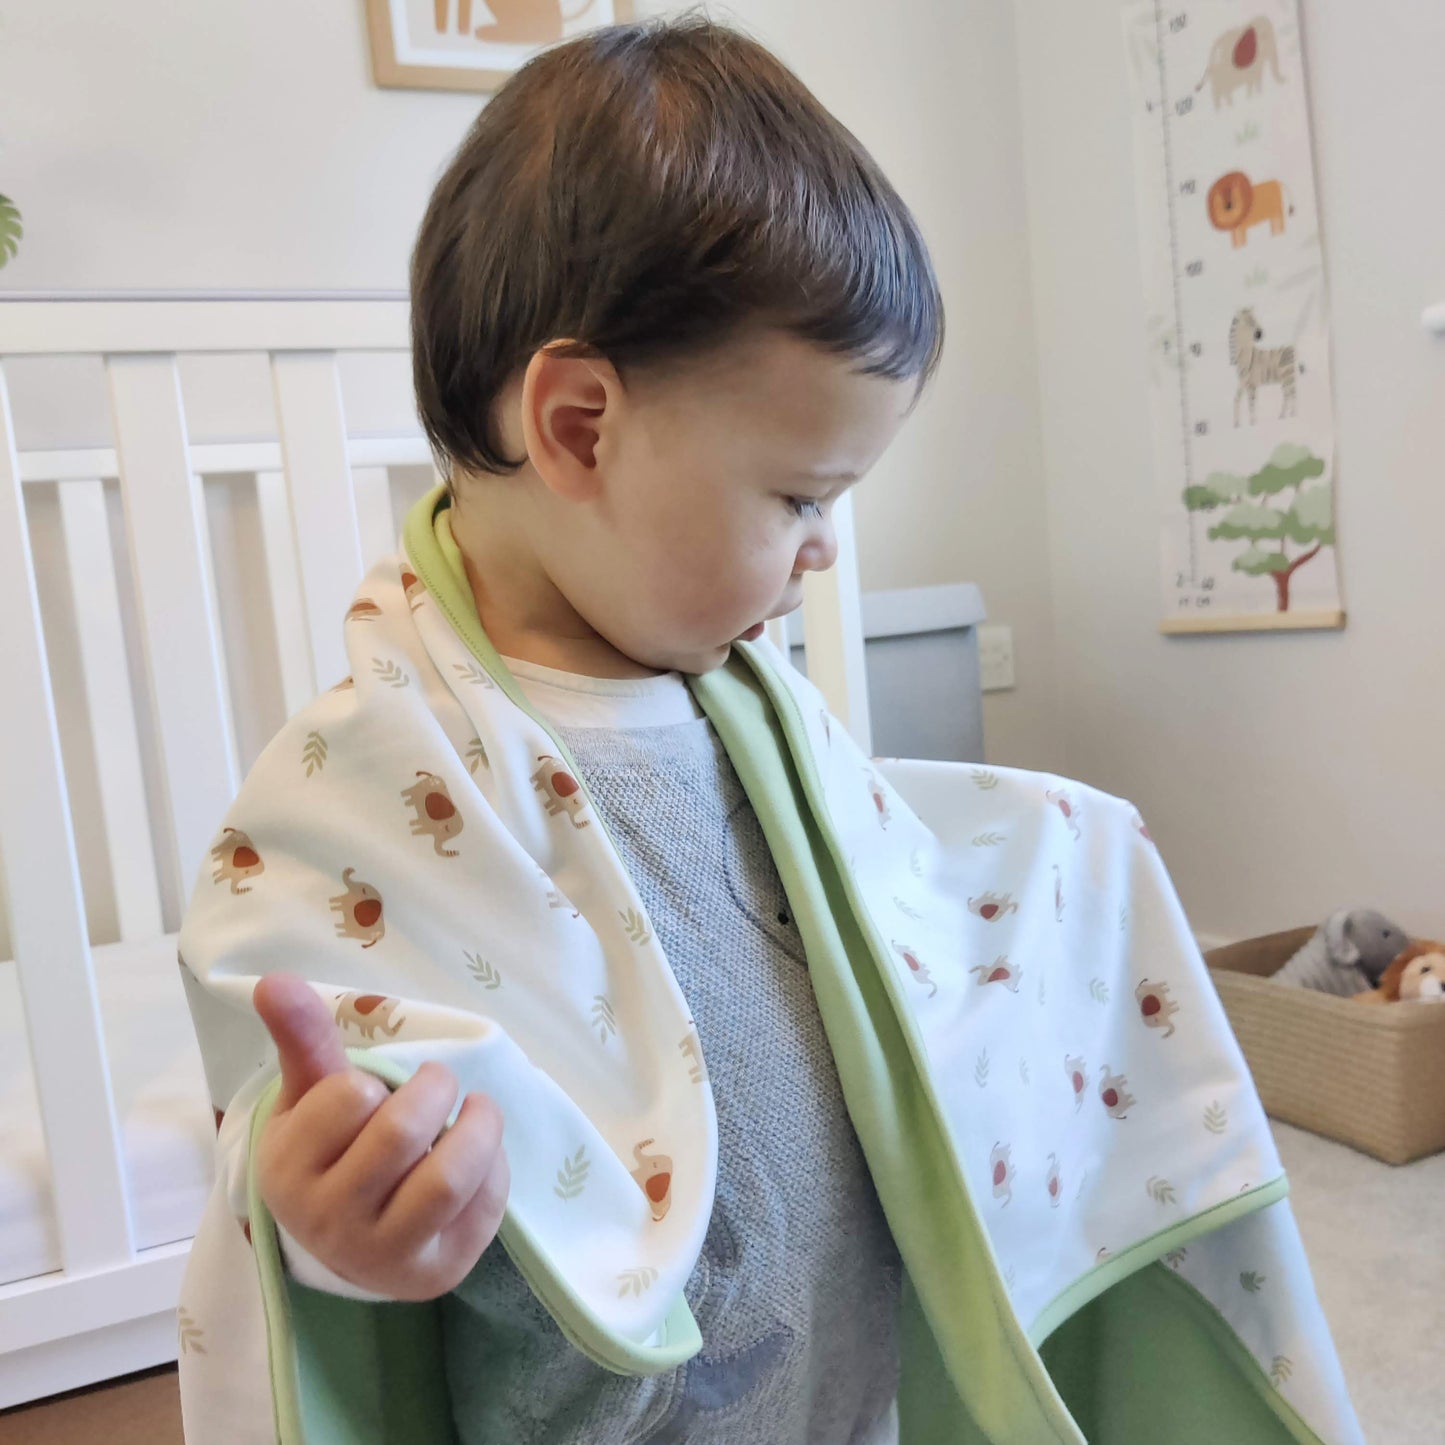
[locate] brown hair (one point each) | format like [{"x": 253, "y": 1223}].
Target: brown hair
[{"x": 645, "y": 191}]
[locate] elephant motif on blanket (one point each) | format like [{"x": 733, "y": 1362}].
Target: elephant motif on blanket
[
  {"x": 367, "y": 1012},
  {"x": 236, "y": 860},
  {"x": 436, "y": 814},
  {"x": 359, "y": 911},
  {"x": 654, "y": 1177},
  {"x": 560, "y": 791}
]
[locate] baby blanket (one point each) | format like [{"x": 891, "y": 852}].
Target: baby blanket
[{"x": 1060, "y": 1127}]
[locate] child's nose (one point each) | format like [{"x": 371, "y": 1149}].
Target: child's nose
[{"x": 818, "y": 553}]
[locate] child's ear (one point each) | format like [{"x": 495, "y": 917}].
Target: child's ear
[{"x": 567, "y": 403}]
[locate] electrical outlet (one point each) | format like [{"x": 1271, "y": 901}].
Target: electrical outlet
[{"x": 996, "y": 658}]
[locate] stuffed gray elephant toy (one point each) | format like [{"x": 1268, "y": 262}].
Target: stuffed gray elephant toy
[{"x": 1347, "y": 955}]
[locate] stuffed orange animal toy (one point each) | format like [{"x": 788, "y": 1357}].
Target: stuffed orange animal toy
[{"x": 1417, "y": 974}]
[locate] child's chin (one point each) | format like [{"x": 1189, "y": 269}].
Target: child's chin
[{"x": 700, "y": 660}]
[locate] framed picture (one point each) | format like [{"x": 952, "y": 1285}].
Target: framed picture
[{"x": 473, "y": 44}]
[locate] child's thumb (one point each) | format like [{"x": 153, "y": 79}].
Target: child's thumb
[{"x": 308, "y": 1045}]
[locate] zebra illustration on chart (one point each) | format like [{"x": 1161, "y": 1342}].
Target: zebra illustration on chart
[{"x": 1259, "y": 366}]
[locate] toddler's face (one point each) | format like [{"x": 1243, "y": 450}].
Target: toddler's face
[{"x": 716, "y": 486}]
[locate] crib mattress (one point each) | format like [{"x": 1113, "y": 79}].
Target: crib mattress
[{"x": 160, "y": 1100}]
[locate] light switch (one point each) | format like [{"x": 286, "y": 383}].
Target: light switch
[{"x": 996, "y": 658}]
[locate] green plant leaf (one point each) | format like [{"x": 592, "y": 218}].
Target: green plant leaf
[{"x": 11, "y": 229}]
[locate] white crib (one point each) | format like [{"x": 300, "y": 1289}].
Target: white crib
[{"x": 105, "y": 1135}]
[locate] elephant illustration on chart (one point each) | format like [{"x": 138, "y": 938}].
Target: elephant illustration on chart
[{"x": 1238, "y": 57}]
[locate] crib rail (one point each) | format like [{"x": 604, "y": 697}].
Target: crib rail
[{"x": 314, "y": 479}]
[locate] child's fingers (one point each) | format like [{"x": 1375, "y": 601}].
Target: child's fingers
[
  {"x": 308, "y": 1045},
  {"x": 326, "y": 1121},
  {"x": 447, "y": 1181},
  {"x": 465, "y": 1239},
  {"x": 396, "y": 1136}
]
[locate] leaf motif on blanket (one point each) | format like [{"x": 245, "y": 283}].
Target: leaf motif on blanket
[
  {"x": 1161, "y": 1191},
  {"x": 1175, "y": 1257},
  {"x": 1280, "y": 1369},
  {"x": 985, "y": 778},
  {"x": 915, "y": 864},
  {"x": 635, "y": 925},
  {"x": 313, "y": 755},
  {"x": 572, "y": 1176},
  {"x": 472, "y": 673},
  {"x": 636, "y": 1281},
  {"x": 1216, "y": 1118},
  {"x": 1098, "y": 990},
  {"x": 389, "y": 672},
  {"x": 484, "y": 973},
  {"x": 989, "y": 840},
  {"x": 476, "y": 756},
  {"x": 603, "y": 1019},
  {"x": 1252, "y": 1281},
  {"x": 906, "y": 908},
  {"x": 1024, "y": 1070},
  {"x": 980, "y": 1070},
  {"x": 189, "y": 1335}
]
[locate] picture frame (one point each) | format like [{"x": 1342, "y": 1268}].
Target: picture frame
[{"x": 473, "y": 45}]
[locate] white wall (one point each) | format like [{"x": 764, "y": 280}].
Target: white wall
[
  {"x": 1283, "y": 775},
  {"x": 160, "y": 145}
]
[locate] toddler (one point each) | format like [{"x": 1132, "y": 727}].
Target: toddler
[
  {"x": 666, "y": 310},
  {"x": 707, "y": 1080}
]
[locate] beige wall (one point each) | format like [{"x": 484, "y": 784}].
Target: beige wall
[
  {"x": 1283, "y": 775},
  {"x": 162, "y": 145}
]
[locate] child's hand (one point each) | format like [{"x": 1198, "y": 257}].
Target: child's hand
[{"x": 356, "y": 1173}]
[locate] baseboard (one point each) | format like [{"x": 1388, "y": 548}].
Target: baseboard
[{"x": 67, "y": 1364}]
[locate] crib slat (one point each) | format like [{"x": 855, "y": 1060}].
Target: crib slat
[
  {"x": 124, "y": 811},
  {"x": 284, "y": 582},
  {"x": 372, "y": 486},
  {"x": 47, "y": 914},
  {"x": 169, "y": 551},
  {"x": 323, "y": 509},
  {"x": 833, "y": 632}
]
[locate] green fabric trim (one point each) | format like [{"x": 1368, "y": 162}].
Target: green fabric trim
[
  {"x": 1153, "y": 1360},
  {"x": 325, "y": 1353},
  {"x": 998, "y": 1377},
  {"x": 1145, "y": 1251},
  {"x": 427, "y": 536}
]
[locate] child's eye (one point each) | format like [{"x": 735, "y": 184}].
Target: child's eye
[{"x": 805, "y": 506}]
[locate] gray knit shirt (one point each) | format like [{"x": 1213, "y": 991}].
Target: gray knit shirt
[{"x": 796, "y": 1290}]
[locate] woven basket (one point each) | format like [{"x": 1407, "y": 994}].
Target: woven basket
[{"x": 1372, "y": 1076}]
